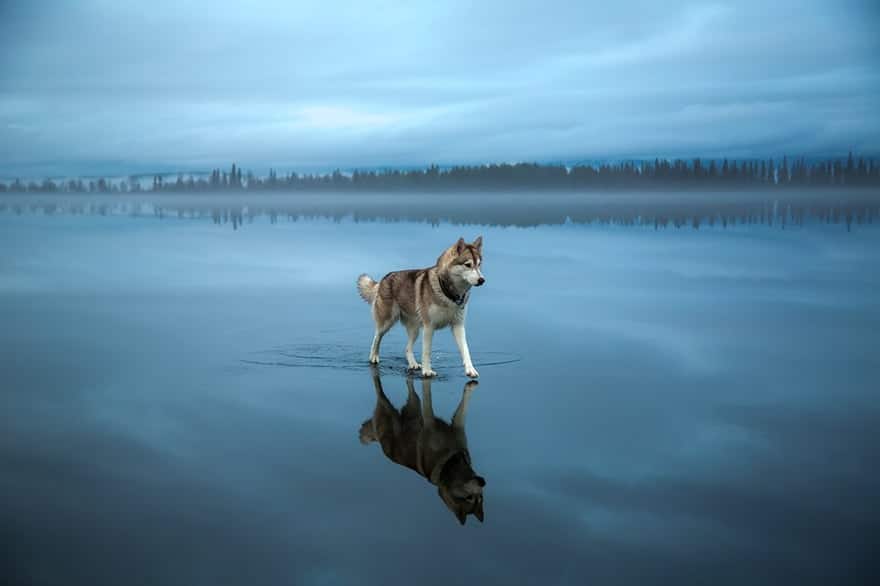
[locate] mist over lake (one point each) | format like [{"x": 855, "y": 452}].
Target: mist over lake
[{"x": 185, "y": 377}]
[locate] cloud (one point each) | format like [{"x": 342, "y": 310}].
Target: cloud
[
  {"x": 798, "y": 482},
  {"x": 345, "y": 84}
]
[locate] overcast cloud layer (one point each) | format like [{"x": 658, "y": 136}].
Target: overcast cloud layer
[{"x": 104, "y": 86}]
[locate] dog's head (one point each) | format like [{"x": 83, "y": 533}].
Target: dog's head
[
  {"x": 465, "y": 261},
  {"x": 462, "y": 490}
]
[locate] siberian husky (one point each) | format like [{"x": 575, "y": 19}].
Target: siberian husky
[
  {"x": 431, "y": 298},
  {"x": 413, "y": 437}
]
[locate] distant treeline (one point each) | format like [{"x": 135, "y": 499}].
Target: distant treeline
[{"x": 657, "y": 174}]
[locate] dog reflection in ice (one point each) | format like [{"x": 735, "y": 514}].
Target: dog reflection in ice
[{"x": 415, "y": 438}]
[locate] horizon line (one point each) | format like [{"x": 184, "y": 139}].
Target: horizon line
[{"x": 322, "y": 170}]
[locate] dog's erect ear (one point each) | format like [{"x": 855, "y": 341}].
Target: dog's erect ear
[
  {"x": 478, "y": 512},
  {"x": 478, "y": 243},
  {"x": 460, "y": 515},
  {"x": 459, "y": 246}
]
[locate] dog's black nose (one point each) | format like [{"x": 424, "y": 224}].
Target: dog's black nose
[{"x": 480, "y": 281}]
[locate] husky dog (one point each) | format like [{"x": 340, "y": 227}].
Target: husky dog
[
  {"x": 431, "y": 298},
  {"x": 414, "y": 438}
]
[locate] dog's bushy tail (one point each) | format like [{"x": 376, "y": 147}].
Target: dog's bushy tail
[
  {"x": 367, "y": 287},
  {"x": 367, "y": 432}
]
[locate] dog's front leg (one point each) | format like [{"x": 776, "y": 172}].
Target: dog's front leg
[
  {"x": 461, "y": 410},
  {"x": 461, "y": 340},
  {"x": 427, "y": 338},
  {"x": 427, "y": 405}
]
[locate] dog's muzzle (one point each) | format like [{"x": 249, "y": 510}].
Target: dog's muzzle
[{"x": 480, "y": 281}]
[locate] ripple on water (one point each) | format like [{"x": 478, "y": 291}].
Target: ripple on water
[{"x": 341, "y": 357}]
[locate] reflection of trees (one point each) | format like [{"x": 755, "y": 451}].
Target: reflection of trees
[
  {"x": 657, "y": 193},
  {"x": 781, "y": 209},
  {"x": 678, "y": 174}
]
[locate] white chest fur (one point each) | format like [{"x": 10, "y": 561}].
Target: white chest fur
[{"x": 441, "y": 316}]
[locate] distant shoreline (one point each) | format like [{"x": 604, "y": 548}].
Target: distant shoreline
[
  {"x": 620, "y": 190},
  {"x": 658, "y": 175}
]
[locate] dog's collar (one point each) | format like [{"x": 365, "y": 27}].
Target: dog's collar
[
  {"x": 434, "y": 476},
  {"x": 456, "y": 299}
]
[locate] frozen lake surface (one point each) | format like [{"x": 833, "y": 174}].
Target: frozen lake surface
[{"x": 181, "y": 403}]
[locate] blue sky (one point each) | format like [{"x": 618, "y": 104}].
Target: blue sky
[{"x": 108, "y": 86}]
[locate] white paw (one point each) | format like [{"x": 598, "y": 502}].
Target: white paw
[
  {"x": 414, "y": 366},
  {"x": 374, "y": 360},
  {"x": 427, "y": 372},
  {"x": 471, "y": 372}
]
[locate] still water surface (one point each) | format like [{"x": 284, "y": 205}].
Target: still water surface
[{"x": 181, "y": 404}]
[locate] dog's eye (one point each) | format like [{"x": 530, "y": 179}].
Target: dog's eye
[{"x": 468, "y": 264}]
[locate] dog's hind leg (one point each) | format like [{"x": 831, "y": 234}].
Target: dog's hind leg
[
  {"x": 382, "y": 399},
  {"x": 377, "y": 383},
  {"x": 384, "y": 318},
  {"x": 382, "y": 328},
  {"x": 412, "y": 332},
  {"x": 377, "y": 339},
  {"x": 368, "y": 431}
]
